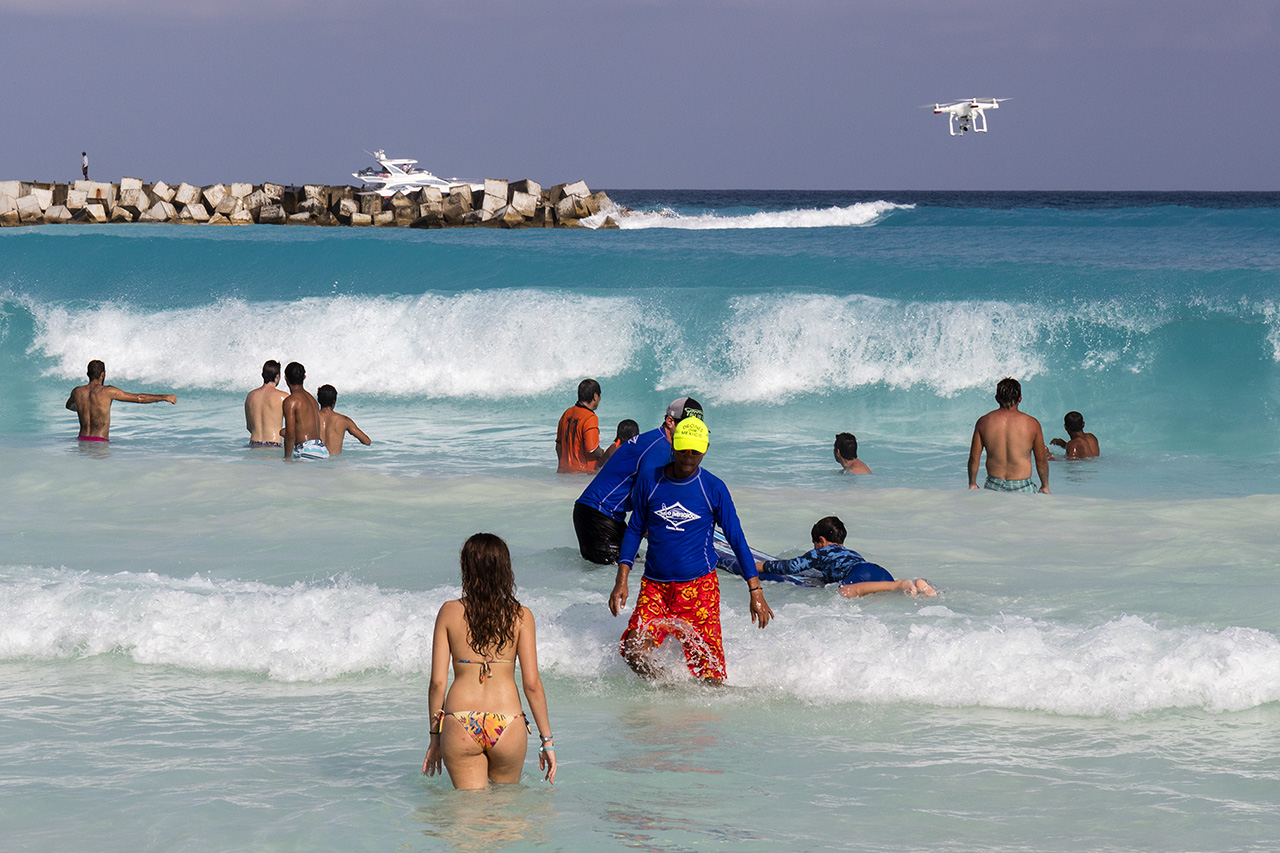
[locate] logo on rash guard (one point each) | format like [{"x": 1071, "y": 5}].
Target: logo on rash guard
[{"x": 676, "y": 515}]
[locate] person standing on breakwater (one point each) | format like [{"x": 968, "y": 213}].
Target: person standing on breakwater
[
  {"x": 301, "y": 418},
  {"x": 84, "y": 164},
  {"x": 578, "y": 433},
  {"x": 1081, "y": 444},
  {"x": 335, "y": 426},
  {"x": 600, "y": 513},
  {"x": 476, "y": 725},
  {"x": 92, "y": 402},
  {"x": 1011, "y": 439},
  {"x": 846, "y": 453},
  {"x": 678, "y": 507},
  {"x": 264, "y": 408}
]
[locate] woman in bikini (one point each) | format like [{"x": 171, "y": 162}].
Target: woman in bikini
[{"x": 478, "y": 729}]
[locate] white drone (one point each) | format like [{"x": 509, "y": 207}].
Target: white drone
[{"x": 968, "y": 114}]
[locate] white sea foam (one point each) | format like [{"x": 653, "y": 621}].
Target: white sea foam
[
  {"x": 862, "y": 213},
  {"x": 780, "y": 345},
  {"x": 816, "y": 653},
  {"x": 483, "y": 344}
]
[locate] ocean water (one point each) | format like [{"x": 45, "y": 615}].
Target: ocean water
[{"x": 206, "y": 648}]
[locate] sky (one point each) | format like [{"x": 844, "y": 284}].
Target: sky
[{"x": 709, "y": 94}]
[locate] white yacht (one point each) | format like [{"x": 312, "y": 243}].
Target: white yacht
[{"x": 393, "y": 175}]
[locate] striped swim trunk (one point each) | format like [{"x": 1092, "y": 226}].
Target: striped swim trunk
[
  {"x": 998, "y": 485},
  {"x": 688, "y": 610}
]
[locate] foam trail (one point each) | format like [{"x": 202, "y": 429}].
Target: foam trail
[
  {"x": 862, "y": 213},
  {"x": 320, "y": 631},
  {"x": 486, "y": 344}
]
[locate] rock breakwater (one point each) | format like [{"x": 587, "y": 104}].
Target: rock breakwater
[{"x": 495, "y": 204}]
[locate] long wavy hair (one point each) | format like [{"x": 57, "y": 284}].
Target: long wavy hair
[{"x": 488, "y": 593}]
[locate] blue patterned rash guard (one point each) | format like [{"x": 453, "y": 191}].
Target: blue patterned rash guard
[
  {"x": 832, "y": 564},
  {"x": 680, "y": 517},
  {"x": 610, "y": 491}
]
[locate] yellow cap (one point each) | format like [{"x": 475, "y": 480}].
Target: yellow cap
[{"x": 691, "y": 434}]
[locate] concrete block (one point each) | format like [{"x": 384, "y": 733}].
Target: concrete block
[
  {"x": 506, "y": 217},
  {"x": 135, "y": 201},
  {"x": 384, "y": 218},
  {"x": 95, "y": 212},
  {"x": 320, "y": 192},
  {"x": 43, "y": 197},
  {"x": 273, "y": 191},
  {"x": 218, "y": 219},
  {"x": 463, "y": 193},
  {"x": 186, "y": 194},
  {"x": 213, "y": 194},
  {"x": 533, "y": 188},
  {"x": 59, "y": 195},
  {"x": 290, "y": 198},
  {"x": 326, "y": 219},
  {"x": 7, "y": 203},
  {"x": 597, "y": 202},
  {"x": 161, "y": 211},
  {"x": 162, "y": 191},
  {"x": 256, "y": 200},
  {"x": 370, "y": 203},
  {"x": 577, "y": 188},
  {"x": 271, "y": 214},
  {"x": 9, "y": 211},
  {"x": 57, "y": 214},
  {"x": 433, "y": 218},
  {"x": 454, "y": 208},
  {"x": 228, "y": 205},
  {"x": 399, "y": 201},
  {"x": 130, "y": 184},
  {"x": 13, "y": 189},
  {"x": 195, "y": 211},
  {"x": 29, "y": 210},
  {"x": 568, "y": 208},
  {"x": 239, "y": 189},
  {"x": 301, "y": 219},
  {"x": 241, "y": 216},
  {"x": 347, "y": 207},
  {"x": 476, "y": 217},
  {"x": 122, "y": 214},
  {"x": 360, "y": 220},
  {"x": 495, "y": 195},
  {"x": 524, "y": 203},
  {"x": 76, "y": 200},
  {"x": 430, "y": 195},
  {"x": 311, "y": 206}
]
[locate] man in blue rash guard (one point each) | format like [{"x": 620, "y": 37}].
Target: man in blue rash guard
[
  {"x": 600, "y": 513},
  {"x": 831, "y": 562},
  {"x": 678, "y": 507}
]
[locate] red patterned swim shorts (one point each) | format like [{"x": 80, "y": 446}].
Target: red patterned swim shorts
[{"x": 689, "y": 610}]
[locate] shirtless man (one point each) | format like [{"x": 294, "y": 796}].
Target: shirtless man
[
  {"x": 264, "y": 409},
  {"x": 92, "y": 402},
  {"x": 334, "y": 426},
  {"x": 301, "y": 418},
  {"x": 1082, "y": 445},
  {"x": 1011, "y": 438},
  {"x": 846, "y": 453}
]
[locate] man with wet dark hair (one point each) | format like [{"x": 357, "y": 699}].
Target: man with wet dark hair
[
  {"x": 92, "y": 402},
  {"x": 263, "y": 412},
  {"x": 846, "y": 453},
  {"x": 334, "y": 426},
  {"x": 1011, "y": 440},
  {"x": 578, "y": 449},
  {"x": 302, "y": 434},
  {"x": 1080, "y": 444}
]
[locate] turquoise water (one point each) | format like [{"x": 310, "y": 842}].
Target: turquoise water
[{"x": 206, "y": 648}]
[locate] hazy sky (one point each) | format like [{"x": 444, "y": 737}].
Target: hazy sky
[{"x": 1107, "y": 94}]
